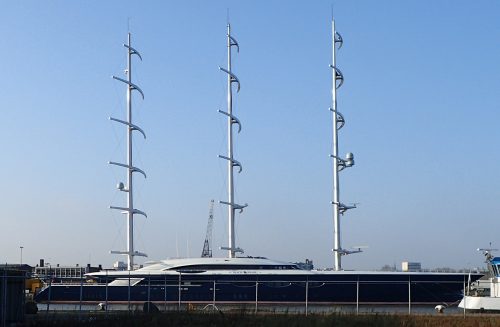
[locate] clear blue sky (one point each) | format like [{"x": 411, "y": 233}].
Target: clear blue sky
[{"x": 422, "y": 80}]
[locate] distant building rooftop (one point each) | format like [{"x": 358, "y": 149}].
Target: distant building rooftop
[{"x": 411, "y": 266}]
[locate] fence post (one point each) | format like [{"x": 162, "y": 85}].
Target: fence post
[
  {"x": 357, "y": 296},
  {"x": 213, "y": 299},
  {"x": 128, "y": 292},
  {"x": 106, "y": 299},
  {"x": 165, "y": 293},
  {"x": 149, "y": 292},
  {"x": 180, "y": 289},
  {"x": 307, "y": 294},
  {"x": 81, "y": 289},
  {"x": 256, "y": 296},
  {"x": 50, "y": 289},
  {"x": 3, "y": 307},
  {"x": 409, "y": 294},
  {"x": 465, "y": 297}
]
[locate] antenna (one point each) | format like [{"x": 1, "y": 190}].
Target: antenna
[
  {"x": 231, "y": 162},
  {"x": 487, "y": 252},
  {"x": 129, "y": 210},
  {"x": 339, "y": 163}
]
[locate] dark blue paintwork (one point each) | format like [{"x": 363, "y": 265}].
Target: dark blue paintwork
[{"x": 327, "y": 288}]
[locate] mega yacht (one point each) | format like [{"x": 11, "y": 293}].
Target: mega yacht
[{"x": 241, "y": 280}]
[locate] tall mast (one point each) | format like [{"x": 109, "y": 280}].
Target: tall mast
[
  {"x": 231, "y": 162},
  {"x": 128, "y": 189},
  {"x": 338, "y": 163}
]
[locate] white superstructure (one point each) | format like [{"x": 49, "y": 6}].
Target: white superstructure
[{"x": 482, "y": 295}]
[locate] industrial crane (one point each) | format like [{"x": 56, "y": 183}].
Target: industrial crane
[{"x": 207, "y": 245}]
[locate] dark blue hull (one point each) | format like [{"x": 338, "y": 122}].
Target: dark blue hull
[{"x": 418, "y": 288}]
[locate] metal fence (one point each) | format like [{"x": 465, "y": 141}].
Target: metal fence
[
  {"x": 12, "y": 297},
  {"x": 159, "y": 292}
]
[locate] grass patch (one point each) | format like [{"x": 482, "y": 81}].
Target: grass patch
[{"x": 247, "y": 320}]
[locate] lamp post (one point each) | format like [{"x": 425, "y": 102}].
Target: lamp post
[{"x": 21, "y": 247}]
